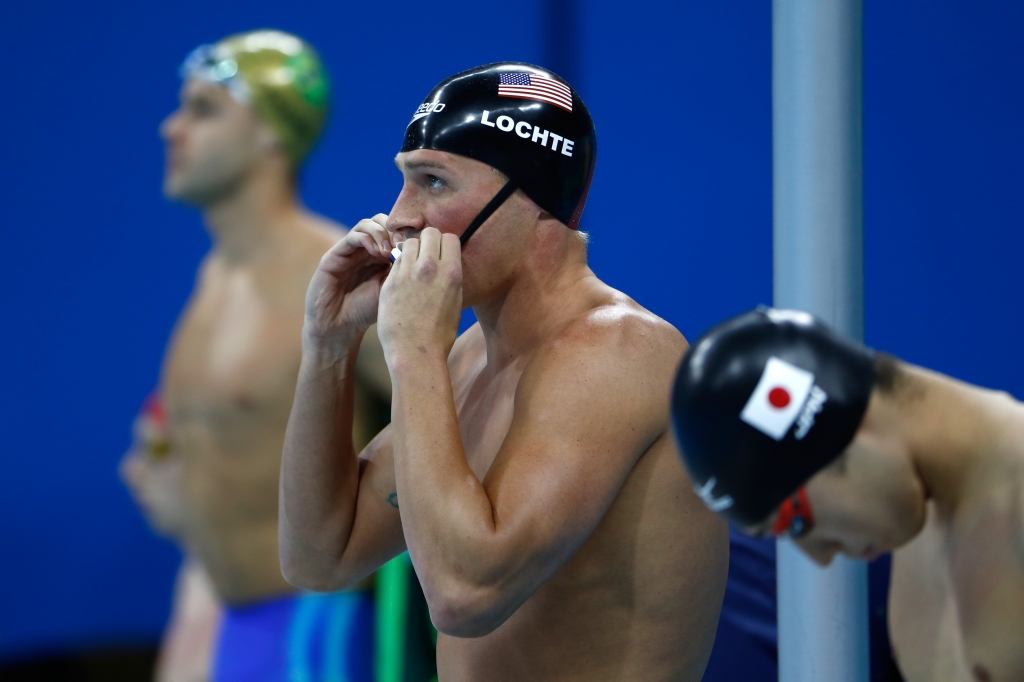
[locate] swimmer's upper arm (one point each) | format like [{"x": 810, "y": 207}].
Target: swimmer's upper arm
[
  {"x": 586, "y": 409},
  {"x": 376, "y": 534}
]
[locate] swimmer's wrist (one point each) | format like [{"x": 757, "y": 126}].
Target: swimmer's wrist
[
  {"x": 333, "y": 350},
  {"x": 402, "y": 361},
  {"x": 339, "y": 341}
]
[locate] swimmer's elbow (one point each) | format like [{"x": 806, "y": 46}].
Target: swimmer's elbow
[
  {"x": 306, "y": 575},
  {"x": 465, "y": 611},
  {"x": 309, "y": 580}
]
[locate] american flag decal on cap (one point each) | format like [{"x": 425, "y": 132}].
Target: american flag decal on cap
[{"x": 532, "y": 86}]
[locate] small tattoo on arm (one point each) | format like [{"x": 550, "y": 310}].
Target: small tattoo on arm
[{"x": 393, "y": 500}]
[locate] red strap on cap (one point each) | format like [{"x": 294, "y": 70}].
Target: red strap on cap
[{"x": 795, "y": 507}]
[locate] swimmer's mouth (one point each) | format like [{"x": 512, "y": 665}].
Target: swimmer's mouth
[{"x": 408, "y": 233}]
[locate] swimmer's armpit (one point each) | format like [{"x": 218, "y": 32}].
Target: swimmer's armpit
[{"x": 393, "y": 500}]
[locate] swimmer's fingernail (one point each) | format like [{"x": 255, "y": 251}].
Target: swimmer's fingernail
[{"x": 396, "y": 253}]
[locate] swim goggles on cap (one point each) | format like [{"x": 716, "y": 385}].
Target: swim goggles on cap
[
  {"x": 204, "y": 64},
  {"x": 795, "y": 516}
]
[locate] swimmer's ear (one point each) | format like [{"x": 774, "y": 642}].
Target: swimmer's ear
[
  {"x": 531, "y": 207},
  {"x": 266, "y": 140},
  {"x": 545, "y": 218},
  {"x": 839, "y": 465}
]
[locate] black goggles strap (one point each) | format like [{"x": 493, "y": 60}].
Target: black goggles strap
[{"x": 492, "y": 206}]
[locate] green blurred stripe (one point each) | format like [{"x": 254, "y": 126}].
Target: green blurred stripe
[{"x": 392, "y": 611}]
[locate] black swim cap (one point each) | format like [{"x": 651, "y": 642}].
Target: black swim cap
[
  {"x": 521, "y": 119},
  {"x": 761, "y": 403}
]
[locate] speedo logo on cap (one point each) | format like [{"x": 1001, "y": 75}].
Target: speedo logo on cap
[
  {"x": 427, "y": 108},
  {"x": 781, "y": 398}
]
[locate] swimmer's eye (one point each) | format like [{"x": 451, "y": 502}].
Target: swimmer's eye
[
  {"x": 434, "y": 182},
  {"x": 798, "y": 528},
  {"x": 201, "y": 108}
]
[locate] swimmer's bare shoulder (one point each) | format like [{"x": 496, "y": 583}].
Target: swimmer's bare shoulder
[
  {"x": 1020, "y": 518},
  {"x": 1015, "y": 455},
  {"x": 638, "y": 346},
  {"x": 602, "y": 382},
  {"x": 321, "y": 234}
]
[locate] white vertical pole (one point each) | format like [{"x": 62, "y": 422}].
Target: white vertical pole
[{"x": 818, "y": 252}]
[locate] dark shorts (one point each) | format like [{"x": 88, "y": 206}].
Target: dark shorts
[{"x": 301, "y": 638}]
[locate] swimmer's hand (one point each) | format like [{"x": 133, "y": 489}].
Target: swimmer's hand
[
  {"x": 152, "y": 473},
  {"x": 421, "y": 301},
  {"x": 341, "y": 302}
]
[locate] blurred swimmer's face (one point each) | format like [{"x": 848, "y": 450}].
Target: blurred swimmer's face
[
  {"x": 866, "y": 503},
  {"x": 212, "y": 142}
]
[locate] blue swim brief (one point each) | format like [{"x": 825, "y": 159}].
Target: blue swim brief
[{"x": 298, "y": 638}]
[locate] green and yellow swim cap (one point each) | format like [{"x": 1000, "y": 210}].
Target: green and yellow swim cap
[{"x": 278, "y": 74}]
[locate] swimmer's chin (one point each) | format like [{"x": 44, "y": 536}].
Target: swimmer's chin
[
  {"x": 868, "y": 553},
  {"x": 871, "y": 553}
]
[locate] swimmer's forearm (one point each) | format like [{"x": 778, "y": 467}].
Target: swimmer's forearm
[{"x": 319, "y": 469}]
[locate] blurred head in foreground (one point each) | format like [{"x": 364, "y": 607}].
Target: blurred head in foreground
[
  {"x": 251, "y": 104},
  {"x": 780, "y": 424}
]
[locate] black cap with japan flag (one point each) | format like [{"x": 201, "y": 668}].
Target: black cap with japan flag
[
  {"x": 761, "y": 403},
  {"x": 521, "y": 119}
]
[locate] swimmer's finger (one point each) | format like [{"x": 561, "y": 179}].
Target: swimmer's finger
[
  {"x": 377, "y": 231},
  {"x": 339, "y": 258},
  {"x": 410, "y": 251},
  {"x": 451, "y": 249},
  {"x": 430, "y": 244}
]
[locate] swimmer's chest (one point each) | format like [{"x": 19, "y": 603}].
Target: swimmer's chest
[
  {"x": 987, "y": 579},
  {"x": 235, "y": 352},
  {"x": 957, "y": 601}
]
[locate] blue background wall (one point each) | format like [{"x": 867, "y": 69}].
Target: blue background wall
[{"x": 95, "y": 265}]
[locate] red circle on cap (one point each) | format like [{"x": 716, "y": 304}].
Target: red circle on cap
[{"x": 778, "y": 397}]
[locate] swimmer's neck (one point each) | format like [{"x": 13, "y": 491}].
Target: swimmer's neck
[
  {"x": 950, "y": 430},
  {"x": 254, "y": 220},
  {"x": 547, "y": 292}
]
